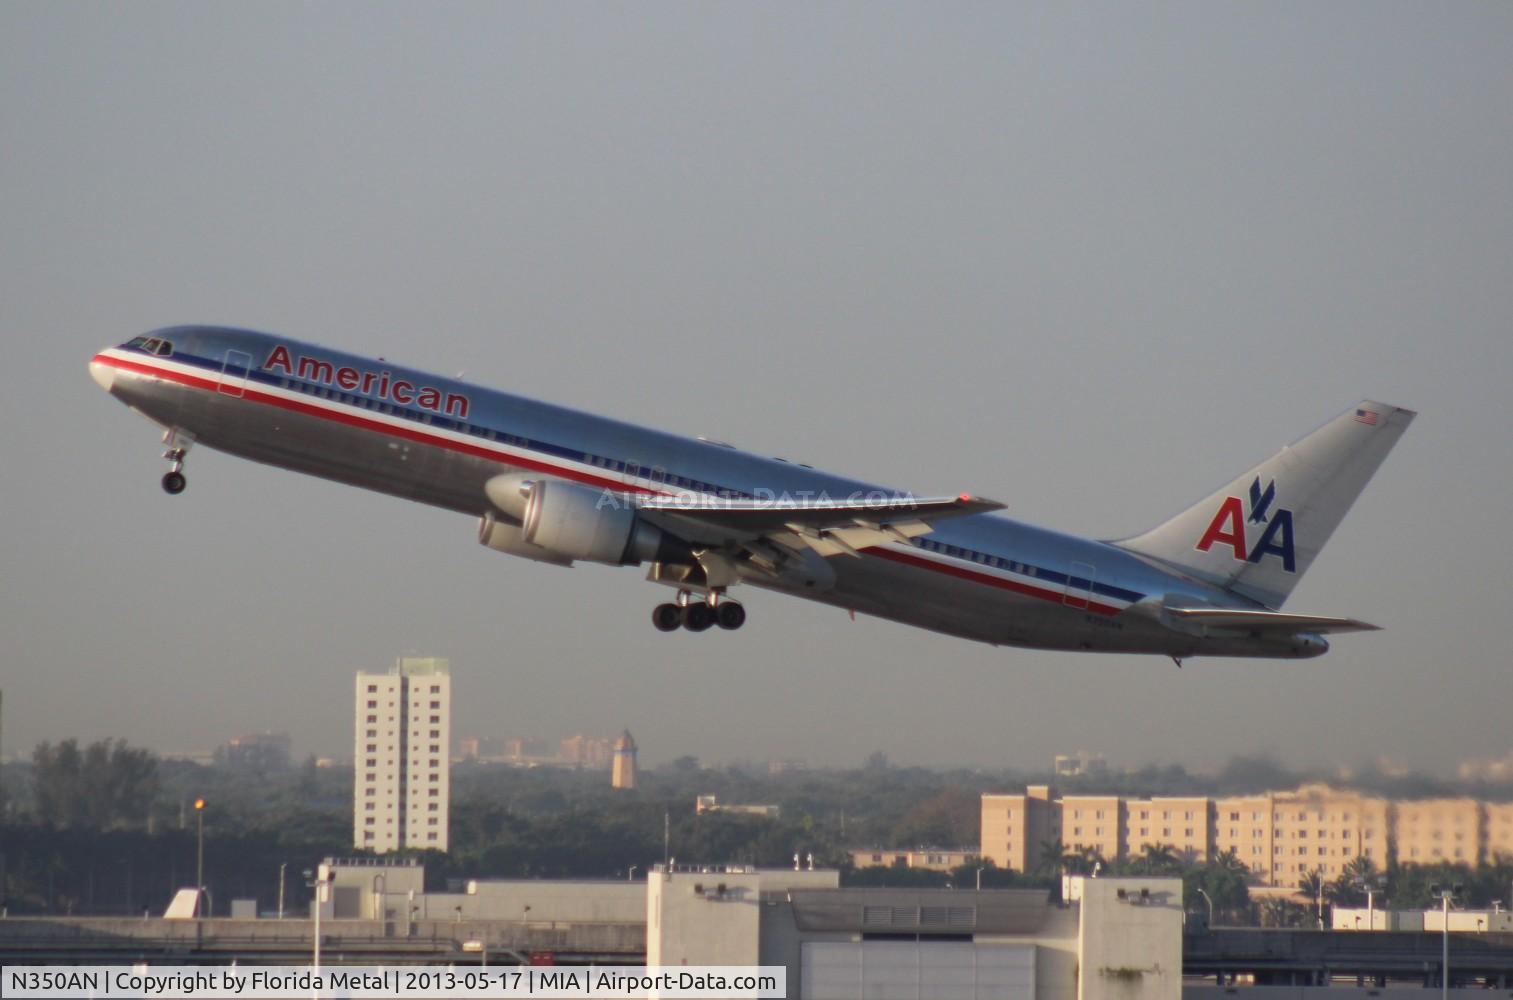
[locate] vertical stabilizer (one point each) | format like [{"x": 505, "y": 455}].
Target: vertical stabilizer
[{"x": 1258, "y": 535}]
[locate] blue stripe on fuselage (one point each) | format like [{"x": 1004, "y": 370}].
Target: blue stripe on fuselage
[{"x": 483, "y": 426}]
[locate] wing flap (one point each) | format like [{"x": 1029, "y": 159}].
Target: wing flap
[{"x": 830, "y": 527}]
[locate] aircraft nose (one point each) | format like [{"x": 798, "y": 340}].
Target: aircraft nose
[{"x": 103, "y": 374}]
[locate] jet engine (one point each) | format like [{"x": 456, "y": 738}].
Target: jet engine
[
  {"x": 579, "y": 522},
  {"x": 503, "y": 537}
]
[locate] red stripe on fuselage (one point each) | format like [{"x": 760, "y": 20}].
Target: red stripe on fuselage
[
  {"x": 961, "y": 572},
  {"x": 367, "y": 423},
  {"x": 477, "y": 451}
]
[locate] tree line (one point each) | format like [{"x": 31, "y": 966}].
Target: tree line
[{"x": 108, "y": 828}]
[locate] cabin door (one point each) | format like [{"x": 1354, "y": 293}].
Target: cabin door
[
  {"x": 1079, "y": 585},
  {"x": 234, "y": 372}
]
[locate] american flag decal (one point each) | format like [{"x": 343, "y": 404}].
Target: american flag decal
[{"x": 1366, "y": 416}]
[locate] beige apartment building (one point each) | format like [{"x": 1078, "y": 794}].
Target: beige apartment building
[
  {"x": 1322, "y": 829},
  {"x": 1282, "y": 837},
  {"x": 1183, "y": 824},
  {"x": 1015, "y": 827},
  {"x": 1499, "y": 829},
  {"x": 1093, "y": 821},
  {"x": 1434, "y": 830}
]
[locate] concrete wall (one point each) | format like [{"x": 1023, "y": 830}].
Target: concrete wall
[
  {"x": 710, "y": 917},
  {"x": 916, "y": 970},
  {"x": 1129, "y": 944},
  {"x": 548, "y": 900},
  {"x": 90, "y": 937},
  {"x": 1055, "y": 953},
  {"x": 702, "y": 919}
]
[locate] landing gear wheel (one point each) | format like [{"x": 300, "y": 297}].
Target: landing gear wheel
[
  {"x": 174, "y": 482},
  {"x": 730, "y": 615},
  {"x": 697, "y": 617},
  {"x": 667, "y": 617}
]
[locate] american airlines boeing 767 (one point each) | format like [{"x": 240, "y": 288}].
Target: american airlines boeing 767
[{"x": 561, "y": 486}]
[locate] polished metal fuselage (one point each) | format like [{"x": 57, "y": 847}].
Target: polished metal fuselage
[{"x": 984, "y": 577}]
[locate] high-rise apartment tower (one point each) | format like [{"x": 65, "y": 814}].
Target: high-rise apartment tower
[{"x": 401, "y": 767}]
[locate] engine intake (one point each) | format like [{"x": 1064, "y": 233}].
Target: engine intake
[
  {"x": 503, "y": 537},
  {"x": 579, "y": 522}
]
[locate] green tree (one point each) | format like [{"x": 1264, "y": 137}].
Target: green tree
[
  {"x": 949, "y": 819},
  {"x": 108, "y": 784},
  {"x": 1349, "y": 887},
  {"x": 1156, "y": 859},
  {"x": 1083, "y": 860},
  {"x": 1053, "y": 858},
  {"x": 1225, "y": 885},
  {"x": 1277, "y": 912}
]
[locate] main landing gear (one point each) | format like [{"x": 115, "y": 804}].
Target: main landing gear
[
  {"x": 178, "y": 447},
  {"x": 698, "y": 615}
]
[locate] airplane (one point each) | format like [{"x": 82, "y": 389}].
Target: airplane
[{"x": 561, "y": 486}]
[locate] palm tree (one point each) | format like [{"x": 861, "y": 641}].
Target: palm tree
[
  {"x": 1158, "y": 859},
  {"x": 1360, "y": 867},
  {"x": 1052, "y": 859},
  {"x": 1229, "y": 860},
  {"x": 1084, "y": 860},
  {"x": 1274, "y": 912}
]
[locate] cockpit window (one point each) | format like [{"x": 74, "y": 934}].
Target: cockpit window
[{"x": 152, "y": 345}]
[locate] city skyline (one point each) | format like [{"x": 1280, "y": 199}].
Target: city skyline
[{"x": 1090, "y": 261}]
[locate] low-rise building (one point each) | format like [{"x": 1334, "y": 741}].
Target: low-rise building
[
  {"x": 1115, "y": 939},
  {"x": 937, "y": 859},
  {"x": 711, "y": 804}
]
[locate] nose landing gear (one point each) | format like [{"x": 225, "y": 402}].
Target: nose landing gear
[
  {"x": 698, "y": 615},
  {"x": 178, "y": 444}
]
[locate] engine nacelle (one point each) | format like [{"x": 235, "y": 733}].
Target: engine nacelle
[
  {"x": 579, "y": 522},
  {"x": 507, "y": 538},
  {"x": 510, "y": 491}
]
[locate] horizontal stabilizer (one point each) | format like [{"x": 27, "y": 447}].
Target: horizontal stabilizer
[{"x": 1271, "y": 622}]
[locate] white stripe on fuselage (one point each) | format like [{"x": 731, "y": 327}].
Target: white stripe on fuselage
[{"x": 517, "y": 457}]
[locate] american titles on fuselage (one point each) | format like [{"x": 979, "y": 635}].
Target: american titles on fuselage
[{"x": 380, "y": 384}]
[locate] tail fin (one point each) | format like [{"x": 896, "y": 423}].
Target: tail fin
[{"x": 1258, "y": 535}]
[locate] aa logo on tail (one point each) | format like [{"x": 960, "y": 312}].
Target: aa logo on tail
[{"x": 1228, "y": 528}]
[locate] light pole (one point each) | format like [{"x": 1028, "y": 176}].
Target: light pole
[
  {"x": 1371, "y": 887},
  {"x": 630, "y": 876},
  {"x": 318, "y": 883},
  {"x": 979, "y": 878},
  {"x": 281, "y": 868},
  {"x": 1209, "y": 900},
  {"x": 199, "y": 864},
  {"x": 1445, "y": 894}
]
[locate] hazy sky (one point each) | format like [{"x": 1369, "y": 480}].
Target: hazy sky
[{"x": 1090, "y": 260}]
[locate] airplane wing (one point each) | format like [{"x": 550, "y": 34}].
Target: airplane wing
[
  {"x": 829, "y": 527},
  {"x": 1275, "y": 622}
]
